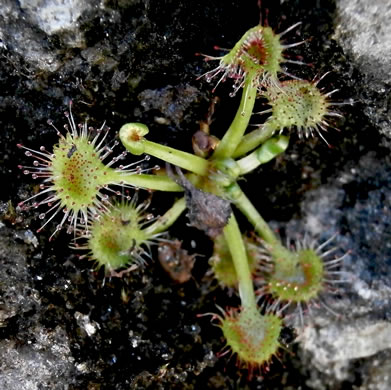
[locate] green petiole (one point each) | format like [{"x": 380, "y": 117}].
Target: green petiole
[
  {"x": 168, "y": 218},
  {"x": 151, "y": 182},
  {"x": 269, "y": 150},
  {"x": 234, "y": 134},
  {"x": 236, "y": 246},
  {"x": 253, "y": 139},
  {"x": 251, "y": 213},
  {"x": 132, "y": 137}
]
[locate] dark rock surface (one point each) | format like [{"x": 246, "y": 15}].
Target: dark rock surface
[{"x": 63, "y": 325}]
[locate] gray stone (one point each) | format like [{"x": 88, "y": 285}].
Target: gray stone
[
  {"x": 378, "y": 372},
  {"x": 45, "y": 363},
  {"x": 17, "y": 296},
  {"x": 36, "y": 358},
  {"x": 364, "y": 33},
  {"x": 26, "y": 27},
  {"x": 54, "y": 16},
  {"x": 361, "y": 327}
]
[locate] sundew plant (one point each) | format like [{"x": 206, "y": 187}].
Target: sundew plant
[{"x": 78, "y": 175}]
